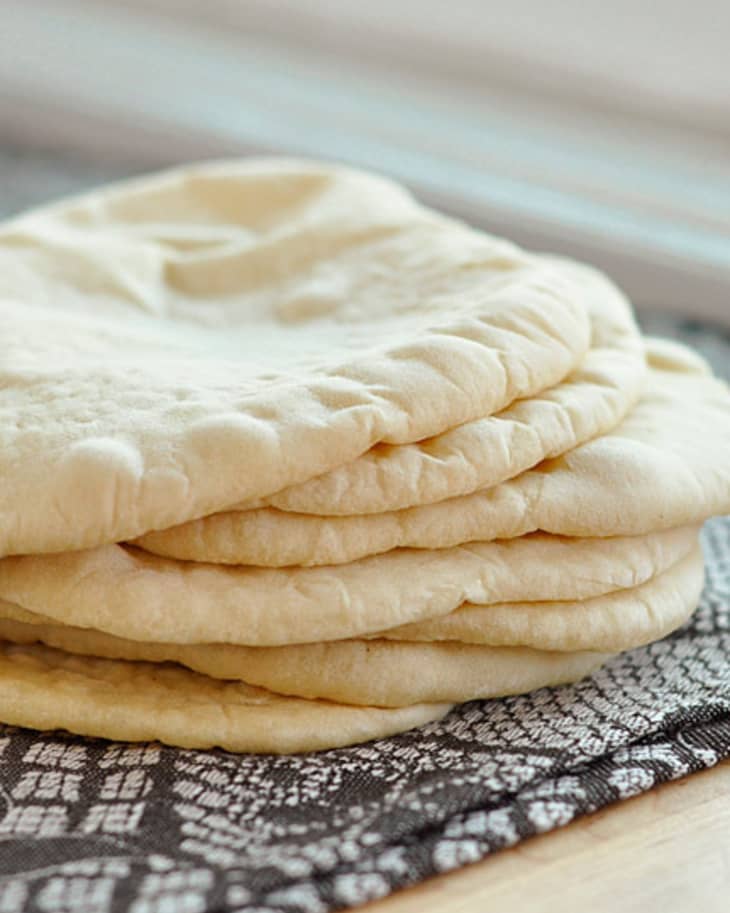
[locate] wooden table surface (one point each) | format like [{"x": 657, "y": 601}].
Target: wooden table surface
[{"x": 667, "y": 851}]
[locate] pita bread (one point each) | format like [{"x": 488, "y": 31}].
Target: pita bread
[
  {"x": 397, "y": 670},
  {"x": 270, "y": 319},
  {"x": 129, "y": 593},
  {"x": 665, "y": 465},
  {"x": 376, "y": 673},
  {"x": 617, "y": 621},
  {"x": 620, "y": 620},
  {"x": 487, "y": 451},
  {"x": 46, "y": 689}
]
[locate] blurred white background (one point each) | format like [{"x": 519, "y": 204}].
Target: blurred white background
[{"x": 600, "y": 130}]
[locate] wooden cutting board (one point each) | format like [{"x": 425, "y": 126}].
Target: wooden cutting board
[{"x": 667, "y": 851}]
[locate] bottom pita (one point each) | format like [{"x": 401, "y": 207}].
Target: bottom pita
[{"x": 43, "y": 688}]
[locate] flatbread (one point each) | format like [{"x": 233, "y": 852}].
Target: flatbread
[
  {"x": 130, "y": 593},
  {"x": 43, "y": 688},
  {"x": 620, "y": 620},
  {"x": 665, "y": 465},
  {"x": 617, "y": 621},
  {"x": 487, "y": 451},
  {"x": 175, "y": 345},
  {"x": 377, "y": 673},
  {"x": 397, "y": 670}
]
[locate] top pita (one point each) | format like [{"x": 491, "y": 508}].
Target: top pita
[{"x": 175, "y": 345}]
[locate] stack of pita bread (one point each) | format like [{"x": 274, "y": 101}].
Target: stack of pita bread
[{"x": 290, "y": 462}]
